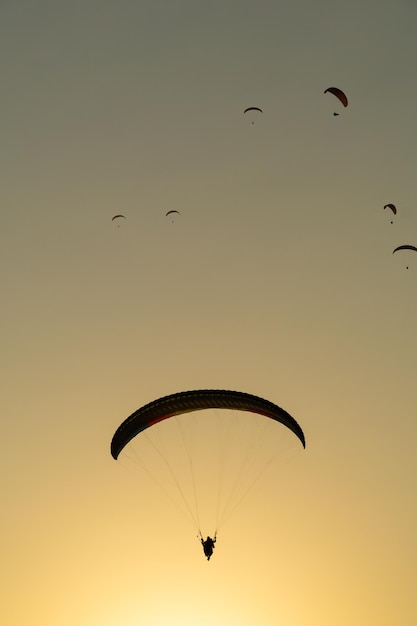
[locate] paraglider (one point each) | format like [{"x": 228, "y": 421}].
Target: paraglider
[
  {"x": 210, "y": 445},
  {"x": 340, "y": 95},
  {"x": 117, "y": 217},
  {"x": 405, "y": 247},
  {"x": 393, "y": 209},
  {"x": 252, "y": 109},
  {"x": 172, "y": 212}
]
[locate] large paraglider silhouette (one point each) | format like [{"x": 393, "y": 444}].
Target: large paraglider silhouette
[{"x": 233, "y": 405}]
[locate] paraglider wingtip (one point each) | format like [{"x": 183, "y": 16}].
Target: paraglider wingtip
[{"x": 114, "y": 452}]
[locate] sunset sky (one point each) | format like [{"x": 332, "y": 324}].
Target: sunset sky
[{"x": 276, "y": 278}]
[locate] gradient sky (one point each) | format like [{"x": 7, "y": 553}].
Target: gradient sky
[{"x": 277, "y": 279}]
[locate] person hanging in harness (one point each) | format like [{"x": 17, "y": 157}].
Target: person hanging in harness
[{"x": 208, "y": 545}]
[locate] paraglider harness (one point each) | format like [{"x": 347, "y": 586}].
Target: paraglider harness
[{"x": 208, "y": 544}]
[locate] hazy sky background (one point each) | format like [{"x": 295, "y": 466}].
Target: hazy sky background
[{"x": 277, "y": 279}]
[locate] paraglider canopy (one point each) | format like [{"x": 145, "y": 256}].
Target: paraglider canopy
[
  {"x": 405, "y": 247},
  {"x": 172, "y": 212},
  {"x": 339, "y": 94},
  {"x": 117, "y": 217},
  {"x": 189, "y": 401},
  {"x": 253, "y": 109},
  {"x": 393, "y": 209}
]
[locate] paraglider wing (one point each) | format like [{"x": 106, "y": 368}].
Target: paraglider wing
[
  {"x": 172, "y": 211},
  {"x": 116, "y": 216},
  {"x": 405, "y": 247},
  {"x": 189, "y": 401},
  {"x": 392, "y": 207},
  {"x": 253, "y": 109},
  {"x": 339, "y": 94}
]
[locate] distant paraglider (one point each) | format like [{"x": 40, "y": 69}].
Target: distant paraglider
[
  {"x": 253, "y": 109},
  {"x": 393, "y": 209},
  {"x": 340, "y": 95},
  {"x": 405, "y": 247},
  {"x": 117, "y": 217},
  {"x": 172, "y": 212}
]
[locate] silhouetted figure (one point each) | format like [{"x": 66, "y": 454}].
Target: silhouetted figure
[{"x": 208, "y": 546}]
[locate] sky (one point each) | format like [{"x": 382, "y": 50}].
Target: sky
[{"x": 276, "y": 278}]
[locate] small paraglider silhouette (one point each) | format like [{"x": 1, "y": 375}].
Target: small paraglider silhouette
[
  {"x": 253, "y": 109},
  {"x": 340, "y": 95},
  {"x": 117, "y": 217},
  {"x": 405, "y": 247},
  {"x": 393, "y": 209},
  {"x": 172, "y": 212}
]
